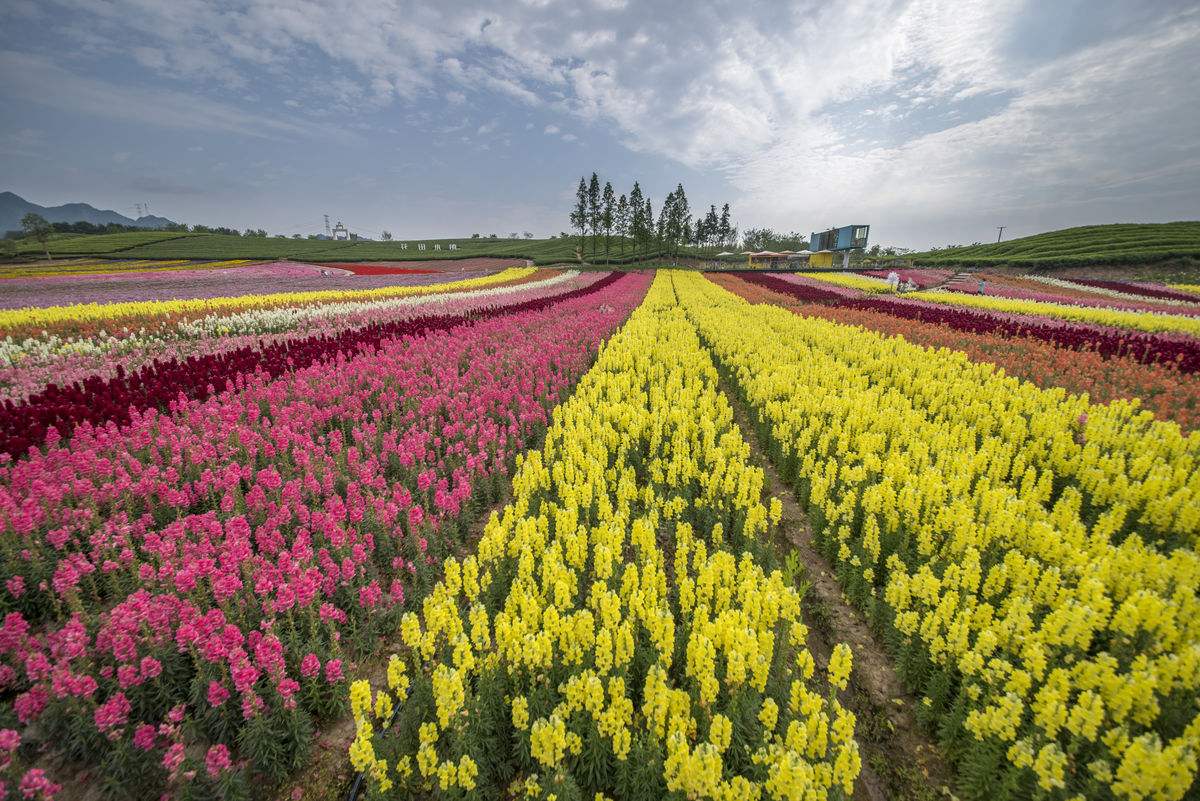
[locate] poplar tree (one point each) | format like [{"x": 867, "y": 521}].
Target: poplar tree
[
  {"x": 593, "y": 209},
  {"x": 637, "y": 219},
  {"x": 622, "y": 221},
  {"x": 606, "y": 217},
  {"x": 579, "y": 213}
]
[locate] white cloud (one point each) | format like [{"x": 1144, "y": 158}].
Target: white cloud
[
  {"x": 908, "y": 108},
  {"x": 159, "y": 108},
  {"x": 1081, "y": 136}
]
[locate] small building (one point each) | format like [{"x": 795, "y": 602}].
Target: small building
[
  {"x": 822, "y": 258},
  {"x": 838, "y": 240},
  {"x": 340, "y": 232},
  {"x": 766, "y": 260}
]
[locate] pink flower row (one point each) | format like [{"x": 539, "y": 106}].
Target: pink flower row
[
  {"x": 922, "y": 278},
  {"x": 248, "y": 544}
]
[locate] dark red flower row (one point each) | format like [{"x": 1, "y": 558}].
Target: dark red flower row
[
  {"x": 97, "y": 400},
  {"x": 1183, "y": 353}
]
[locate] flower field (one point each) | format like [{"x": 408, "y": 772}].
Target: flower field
[
  {"x": 524, "y": 533},
  {"x": 1044, "y": 613}
]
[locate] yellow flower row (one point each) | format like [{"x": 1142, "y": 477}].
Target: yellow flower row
[
  {"x": 606, "y": 637},
  {"x": 1044, "y": 629},
  {"x": 860, "y": 282},
  {"x": 1140, "y": 321},
  {"x": 94, "y": 312},
  {"x": 1193, "y": 288},
  {"x": 92, "y": 266}
]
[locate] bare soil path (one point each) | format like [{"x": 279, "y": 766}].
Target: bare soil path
[{"x": 899, "y": 760}]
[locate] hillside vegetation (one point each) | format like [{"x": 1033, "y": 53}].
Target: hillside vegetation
[
  {"x": 94, "y": 245},
  {"x": 168, "y": 245},
  {"x": 1125, "y": 243}
]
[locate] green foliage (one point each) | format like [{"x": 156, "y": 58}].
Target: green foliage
[
  {"x": 168, "y": 245},
  {"x": 98, "y": 245},
  {"x": 1126, "y": 243},
  {"x": 276, "y": 742},
  {"x": 129, "y": 773}
]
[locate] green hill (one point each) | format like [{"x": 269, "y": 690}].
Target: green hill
[
  {"x": 165, "y": 245},
  {"x": 94, "y": 245},
  {"x": 1118, "y": 244}
]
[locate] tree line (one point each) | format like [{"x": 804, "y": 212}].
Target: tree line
[{"x": 599, "y": 214}]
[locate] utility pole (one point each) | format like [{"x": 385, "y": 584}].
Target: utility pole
[{"x": 1000, "y": 228}]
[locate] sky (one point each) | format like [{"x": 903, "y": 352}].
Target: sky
[{"x": 932, "y": 121}]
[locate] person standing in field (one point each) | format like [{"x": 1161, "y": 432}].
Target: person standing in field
[{"x": 982, "y": 286}]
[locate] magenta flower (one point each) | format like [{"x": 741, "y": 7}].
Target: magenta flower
[
  {"x": 217, "y": 693},
  {"x": 287, "y": 689},
  {"x": 217, "y": 760},
  {"x": 145, "y": 736},
  {"x": 173, "y": 758},
  {"x": 310, "y": 665},
  {"x": 252, "y": 704},
  {"x": 333, "y": 671},
  {"x": 150, "y": 668},
  {"x": 112, "y": 713},
  {"x": 35, "y": 784}
]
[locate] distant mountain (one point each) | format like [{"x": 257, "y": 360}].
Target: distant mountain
[{"x": 14, "y": 207}]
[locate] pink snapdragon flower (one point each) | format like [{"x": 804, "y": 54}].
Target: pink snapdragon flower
[
  {"x": 35, "y": 784},
  {"x": 145, "y": 736},
  {"x": 112, "y": 713},
  {"x": 217, "y": 760},
  {"x": 217, "y": 693},
  {"x": 310, "y": 665}
]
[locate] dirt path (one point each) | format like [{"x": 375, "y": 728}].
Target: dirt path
[{"x": 899, "y": 760}]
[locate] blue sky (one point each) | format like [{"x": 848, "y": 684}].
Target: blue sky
[{"x": 932, "y": 121}]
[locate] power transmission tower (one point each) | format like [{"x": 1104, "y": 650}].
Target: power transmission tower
[
  {"x": 1000, "y": 228},
  {"x": 328, "y": 230}
]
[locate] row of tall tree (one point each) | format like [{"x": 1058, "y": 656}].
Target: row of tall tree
[
  {"x": 599, "y": 214},
  {"x": 769, "y": 239}
]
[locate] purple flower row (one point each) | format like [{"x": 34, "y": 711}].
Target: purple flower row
[{"x": 66, "y": 290}]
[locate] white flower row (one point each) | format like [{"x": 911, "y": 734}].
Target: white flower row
[
  {"x": 1110, "y": 293},
  {"x": 254, "y": 321}
]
